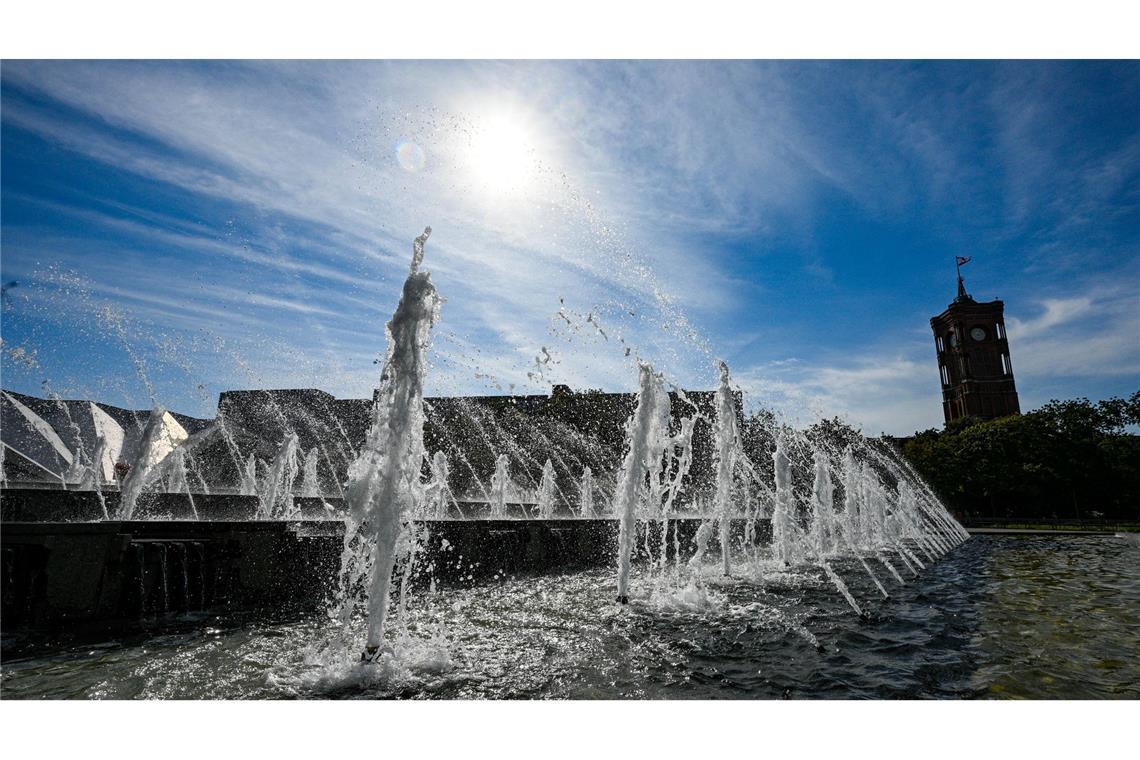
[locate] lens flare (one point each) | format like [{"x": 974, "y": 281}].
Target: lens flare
[{"x": 410, "y": 156}]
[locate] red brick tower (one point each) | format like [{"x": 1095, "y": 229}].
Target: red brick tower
[{"x": 973, "y": 358}]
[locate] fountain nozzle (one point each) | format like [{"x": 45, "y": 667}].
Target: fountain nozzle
[
  {"x": 370, "y": 654},
  {"x": 623, "y": 599}
]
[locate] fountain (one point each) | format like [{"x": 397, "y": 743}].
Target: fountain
[
  {"x": 310, "y": 488},
  {"x": 647, "y": 438},
  {"x": 500, "y": 483},
  {"x": 153, "y": 448},
  {"x": 398, "y": 502},
  {"x": 727, "y": 445},
  {"x": 438, "y": 492},
  {"x": 275, "y": 491},
  {"x": 546, "y": 492},
  {"x": 92, "y": 478},
  {"x": 783, "y": 530},
  {"x": 822, "y": 506},
  {"x": 586, "y": 493},
  {"x": 178, "y": 478},
  {"x": 384, "y": 481},
  {"x": 249, "y": 477}
]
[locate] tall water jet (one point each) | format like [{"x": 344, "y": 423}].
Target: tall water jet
[
  {"x": 546, "y": 492},
  {"x": 851, "y": 488},
  {"x": 178, "y": 477},
  {"x": 874, "y": 506},
  {"x": 78, "y": 469},
  {"x": 678, "y": 460},
  {"x": 646, "y": 434},
  {"x": 384, "y": 480},
  {"x": 275, "y": 495},
  {"x": 310, "y": 487},
  {"x": 248, "y": 485},
  {"x": 151, "y": 452},
  {"x": 93, "y": 479},
  {"x": 235, "y": 453},
  {"x": 499, "y": 483},
  {"x": 822, "y": 506},
  {"x": 112, "y": 432},
  {"x": 727, "y": 444},
  {"x": 438, "y": 490},
  {"x": 909, "y": 527},
  {"x": 81, "y": 462},
  {"x": 782, "y": 527},
  {"x": 175, "y": 466},
  {"x": 586, "y": 493}
]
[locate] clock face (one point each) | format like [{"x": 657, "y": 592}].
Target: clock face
[
  {"x": 978, "y": 333},
  {"x": 953, "y": 340}
]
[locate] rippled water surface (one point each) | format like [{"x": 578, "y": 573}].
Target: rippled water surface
[{"x": 1001, "y": 616}]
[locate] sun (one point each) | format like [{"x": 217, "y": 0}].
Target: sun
[{"x": 502, "y": 155}]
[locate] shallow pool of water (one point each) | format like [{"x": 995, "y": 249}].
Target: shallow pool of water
[{"x": 1001, "y": 616}]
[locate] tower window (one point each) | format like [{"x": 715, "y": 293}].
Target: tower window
[
  {"x": 1006, "y": 367},
  {"x": 938, "y": 342},
  {"x": 999, "y": 331},
  {"x": 945, "y": 374}
]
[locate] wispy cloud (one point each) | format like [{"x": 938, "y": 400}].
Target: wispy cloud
[
  {"x": 1096, "y": 334},
  {"x": 1057, "y": 311},
  {"x": 699, "y": 209},
  {"x": 895, "y": 394}
]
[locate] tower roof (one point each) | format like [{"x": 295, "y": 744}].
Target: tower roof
[{"x": 963, "y": 296}]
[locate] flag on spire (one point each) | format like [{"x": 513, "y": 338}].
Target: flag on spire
[{"x": 958, "y": 262}]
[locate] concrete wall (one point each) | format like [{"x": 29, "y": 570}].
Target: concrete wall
[
  {"x": 111, "y": 576},
  {"x": 57, "y": 505},
  {"x": 115, "y": 575}
]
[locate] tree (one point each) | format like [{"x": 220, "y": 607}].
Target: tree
[{"x": 1067, "y": 459}]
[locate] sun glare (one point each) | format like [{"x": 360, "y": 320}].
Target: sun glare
[{"x": 502, "y": 153}]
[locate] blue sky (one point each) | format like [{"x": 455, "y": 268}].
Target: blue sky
[{"x": 180, "y": 228}]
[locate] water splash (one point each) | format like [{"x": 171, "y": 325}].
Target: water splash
[
  {"x": 783, "y": 529},
  {"x": 384, "y": 480},
  {"x": 546, "y": 492},
  {"x": 646, "y": 437},
  {"x": 310, "y": 487},
  {"x": 153, "y": 447},
  {"x": 500, "y": 484},
  {"x": 586, "y": 493},
  {"x": 178, "y": 479},
  {"x": 727, "y": 446},
  {"x": 839, "y": 584},
  {"x": 275, "y": 492},
  {"x": 249, "y": 480},
  {"x": 438, "y": 492},
  {"x": 822, "y": 506}
]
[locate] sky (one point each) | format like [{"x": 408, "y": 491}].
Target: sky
[{"x": 174, "y": 229}]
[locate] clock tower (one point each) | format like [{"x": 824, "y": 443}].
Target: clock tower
[{"x": 973, "y": 358}]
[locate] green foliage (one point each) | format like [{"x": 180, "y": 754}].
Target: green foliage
[
  {"x": 834, "y": 434},
  {"x": 1068, "y": 459}
]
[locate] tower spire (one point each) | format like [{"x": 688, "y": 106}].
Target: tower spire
[{"x": 962, "y": 294}]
